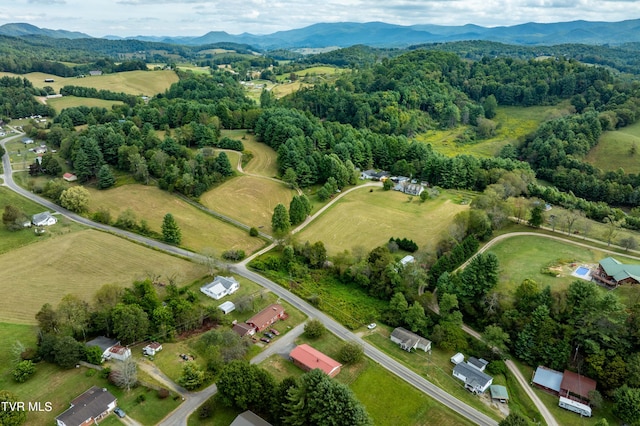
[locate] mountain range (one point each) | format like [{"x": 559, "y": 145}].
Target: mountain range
[{"x": 380, "y": 34}]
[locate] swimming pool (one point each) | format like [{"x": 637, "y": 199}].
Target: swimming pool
[{"x": 582, "y": 271}]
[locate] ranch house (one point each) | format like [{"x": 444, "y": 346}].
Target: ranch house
[
  {"x": 408, "y": 340},
  {"x": 89, "y": 408},
  {"x": 220, "y": 287},
  {"x": 474, "y": 380},
  {"x": 266, "y": 317},
  {"x": 308, "y": 358}
]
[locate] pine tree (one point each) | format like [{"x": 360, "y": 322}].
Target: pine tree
[
  {"x": 297, "y": 210},
  {"x": 280, "y": 222},
  {"x": 170, "y": 230},
  {"x": 105, "y": 177}
]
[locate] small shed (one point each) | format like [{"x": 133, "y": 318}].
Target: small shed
[
  {"x": 499, "y": 393},
  {"x": 152, "y": 348},
  {"x": 69, "y": 177},
  {"x": 227, "y": 307},
  {"x": 457, "y": 358},
  {"x": 407, "y": 259}
]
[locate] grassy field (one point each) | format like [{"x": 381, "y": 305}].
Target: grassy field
[
  {"x": 612, "y": 151},
  {"x": 71, "y": 101},
  {"x": 19, "y": 154},
  {"x": 132, "y": 82},
  {"x": 513, "y": 124},
  {"x": 248, "y": 199},
  {"x": 264, "y": 157},
  {"x": 200, "y": 231},
  {"x": 284, "y": 89},
  {"x": 79, "y": 263},
  {"x": 351, "y": 220}
]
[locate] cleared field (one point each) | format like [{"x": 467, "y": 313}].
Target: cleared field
[
  {"x": 132, "y": 82},
  {"x": 285, "y": 89},
  {"x": 248, "y": 199},
  {"x": 369, "y": 219},
  {"x": 613, "y": 150},
  {"x": 71, "y": 101},
  {"x": 264, "y": 157},
  {"x": 199, "y": 230},
  {"x": 513, "y": 124},
  {"x": 78, "y": 263}
]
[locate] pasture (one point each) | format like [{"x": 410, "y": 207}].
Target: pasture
[
  {"x": 264, "y": 161},
  {"x": 513, "y": 123},
  {"x": 147, "y": 83},
  {"x": 283, "y": 89},
  {"x": 614, "y": 150},
  {"x": 369, "y": 219},
  {"x": 72, "y": 101},
  {"x": 200, "y": 231},
  {"x": 78, "y": 263},
  {"x": 248, "y": 199}
]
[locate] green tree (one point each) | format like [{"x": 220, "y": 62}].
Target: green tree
[
  {"x": 50, "y": 165},
  {"x": 319, "y": 400},
  {"x": 317, "y": 255},
  {"x": 11, "y": 417},
  {"x": 496, "y": 337},
  {"x": 514, "y": 419},
  {"x": 246, "y": 386},
  {"x": 105, "y": 177},
  {"x": 314, "y": 328},
  {"x": 537, "y": 217},
  {"x": 297, "y": 210},
  {"x": 280, "y": 223},
  {"x": 350, "y": 352},
  {"x": 627, "y": 404},
  {"x": 23, "y": 370},
  {"x": 73, "y": 316},
  {"x": 47, "y": 319},
  {"x": 130, "y": 323},
  {"x": 192, "y": 376},
  {"x": 93, "y": 355},
  {"x": 170, "y": 230},
  {"x": 290, "y": 177},
  {"x": 67, "y": 352},
  {"x": 415, "y": 318},
  {"x": 387, "y": 184},
  {"x": 75, "y": 199},
  {"x": 222, "y": 165},
  {"x": 127, "y": 219},
  {"x": 490, "y": 106},
  {"x": 13, "y": 218}
]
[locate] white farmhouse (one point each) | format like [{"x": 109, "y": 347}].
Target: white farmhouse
[{"x": 220, "y": 287}]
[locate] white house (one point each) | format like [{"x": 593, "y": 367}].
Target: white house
[
  {"x": 44, "y": 219},
  {"x": 408, "y": 340},
  {"x": 152, "y": 348},
  {"x": 227, "y": 307},
  {"x": 474, "y": 380},
  {"x": 119, "y": 352},
  {"x": 220, "y": 287},
  {"x": 407, "y": 259}
]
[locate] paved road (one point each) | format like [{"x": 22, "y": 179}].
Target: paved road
[{"x": 196, "y": 399}]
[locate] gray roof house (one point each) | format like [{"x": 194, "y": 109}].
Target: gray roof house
[
  {"x": 474, "y": 380},
  {"x": 44, "y": 219},
  {"x": 409, "y": 188},
  {"x": 89, "y": 408},
  {"x": 408, "y": 340},
  {"x": 103, "y": 343},
  {"x": 480, "y": 364},
  {"x": 249, "y": 418},
  {"x": 220, "y": 287}
]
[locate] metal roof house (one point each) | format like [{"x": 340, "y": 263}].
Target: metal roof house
[
  {"x": 576, "y": 386},
  {"x": 547, "y": 379},
  {"x": 88, "y": 408},
  {"x": 308, "y": 358},
  {"x": 613, "y": 273}
]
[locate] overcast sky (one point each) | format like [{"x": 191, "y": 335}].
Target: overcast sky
[{"x": 197, "y": 17}]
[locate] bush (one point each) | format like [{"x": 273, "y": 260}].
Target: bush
[
  {"x": 23, "y": 370},
  {"x": 228, "y": 143},
  {"x": 405, "y": 244},
  {"x": 141, "y": 398},
  {"x": 314, "y": 328},
  {"x": 350, "y": 352},
  {"x": 253, "y": 231},
  {"x": 233, "y": 254},
  {"x": 163, "y": 393}
]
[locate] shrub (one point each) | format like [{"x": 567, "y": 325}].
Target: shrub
[
  {"x": 350, "y": 352},
  {"x": 253, "y": 231},
  {"x": 228, "y": 143},
  {"x": 314, "y": 328},
  {"x": 141, "y": 398},
  {"x": 163, "y": 393},
  {"x": 23, "y": 370},
  {"x": 233, "y": 254}
]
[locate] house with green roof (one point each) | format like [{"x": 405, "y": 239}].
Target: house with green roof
[{"x": 613, "y": 273}]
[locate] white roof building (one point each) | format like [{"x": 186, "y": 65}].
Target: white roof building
[{"x": 220, "y": 287}]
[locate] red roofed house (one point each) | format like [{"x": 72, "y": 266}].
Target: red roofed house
[
  {"x": 119, "y": 352},
  {"x": 307, "y": 358},
  {"x": 266, "y": 317},
  {"x": 576, "y": 387}
]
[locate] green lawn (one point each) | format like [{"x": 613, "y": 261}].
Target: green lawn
[
  {"x": 513, "y": 123},
  {"x": 72, "y": 101},
  {"x": 369, "y": 217},
  {"x": 613, "y": 150}
]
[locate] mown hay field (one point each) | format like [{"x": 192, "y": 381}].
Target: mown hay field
[
  {"x": 72, "y": 101},
  {"x": 78, "y": 263},
  {"x": 264, "y": 161},
  {"x": 200, "y": 231},
  {"x": 615, "y": 150},
  {"x": 369, "y": 219},
  {"x": 147, "y": 83},
  {"x": 248, "y": 199},
  {"x": 513, "y": 124}
]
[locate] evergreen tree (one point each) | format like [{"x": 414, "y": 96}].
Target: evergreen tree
[
  {"x": 105, "y": 177},
  {"x": 280, "y": 222},
  {"x": 170, "y": 230},
  {"x": 297, "y": 210},
  {"x": 222, "y": 165},
  {"x": 536, "y": 218}
]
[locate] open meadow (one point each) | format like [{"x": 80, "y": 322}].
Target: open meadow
[
  {"x": 248, "y": 199},
  {"x": 614, "y": 150},
  {"x": 78, "y": 263},
  {"x": 147, "y": 83},
  {"x": 264, "y": 161},
  {"x": 72, "y": 101},
  {"x": 200, "y": 231},
  {"x": 368, "y": 218},
  {"x": 513, "y": 123}
]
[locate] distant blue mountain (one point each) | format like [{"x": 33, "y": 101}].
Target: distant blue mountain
[{"x": 380, "y": 34}]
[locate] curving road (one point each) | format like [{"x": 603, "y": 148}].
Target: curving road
[{"x": 196, "y": 399}]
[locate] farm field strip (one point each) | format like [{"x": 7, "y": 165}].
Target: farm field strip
[
  {"x": 78, "y": 263},
  {"x": 614, "y": 150},
  {"x": 73, "y": 101}
]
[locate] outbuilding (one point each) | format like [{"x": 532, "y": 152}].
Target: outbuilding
[{"x": 227, "y": 307}]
